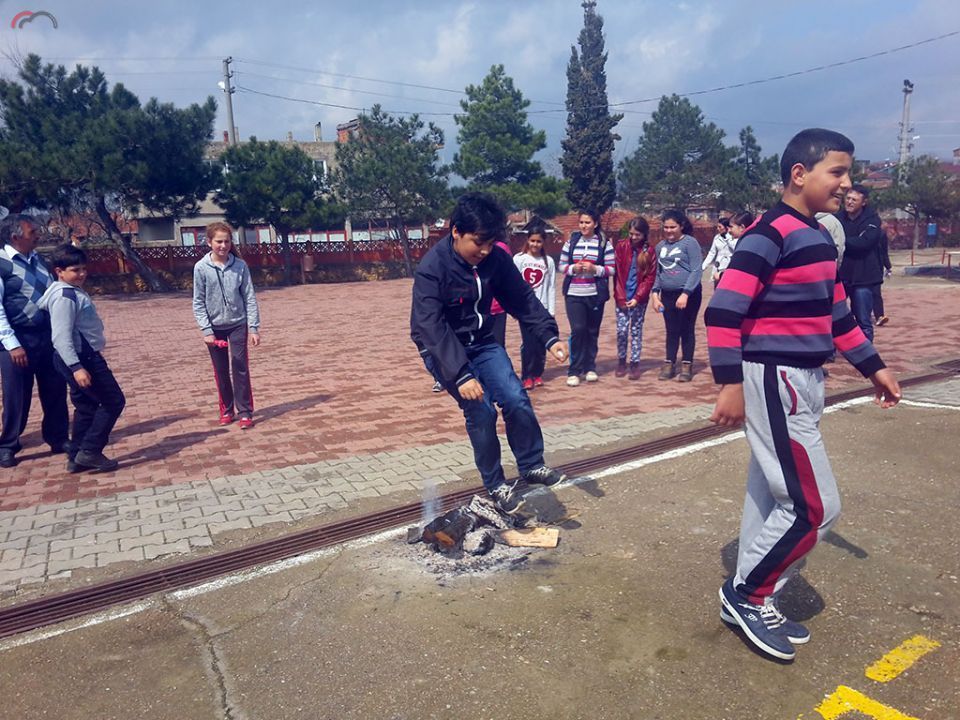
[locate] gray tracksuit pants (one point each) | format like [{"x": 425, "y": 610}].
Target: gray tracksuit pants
[{"x": 792, "y": 497}]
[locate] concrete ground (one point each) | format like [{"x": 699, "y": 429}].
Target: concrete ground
[{"x": 619, "y": 621}]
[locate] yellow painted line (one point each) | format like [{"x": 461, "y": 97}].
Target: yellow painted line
[
  {"x": 845, "y": 700},
  {"x": 900, "y": 658}
]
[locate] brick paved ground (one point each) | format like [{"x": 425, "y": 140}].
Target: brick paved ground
[{"x": 344, "y": 411}]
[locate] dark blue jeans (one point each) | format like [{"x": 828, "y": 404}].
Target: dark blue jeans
[
  {"x": 491, "y": 366},
  {"x": 861, "y": 303}
]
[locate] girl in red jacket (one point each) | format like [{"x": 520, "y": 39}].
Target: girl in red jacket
[{"x": 636, "y": 268}]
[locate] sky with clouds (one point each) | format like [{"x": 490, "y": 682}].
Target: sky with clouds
[{"x": 418, "y": 55}]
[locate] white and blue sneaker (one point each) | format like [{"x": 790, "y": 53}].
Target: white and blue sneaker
[
  {"x": 762, "y": 624},
  {"x": 508, "y": 497},
  {"x": 544, "y": 475},
  {"x": 796, "y": 632}
]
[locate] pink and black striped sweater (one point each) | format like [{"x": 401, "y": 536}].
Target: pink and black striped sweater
[{"x": 780, "y": 302}]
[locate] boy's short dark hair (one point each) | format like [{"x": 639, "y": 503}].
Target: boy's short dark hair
[
  {"x": 810, "y": 146},
  {"x": 67, "y": 255},
  {"x": 480, "y": 214},
  {"x": 862, "y": 189}
]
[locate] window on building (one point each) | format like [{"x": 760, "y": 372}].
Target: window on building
[
  {"x": 361, "y": 236},
  {"x": 263, "y": 235},
  {"x": 416, "y": 234},
  {"x": 319, "y": 237},
  {"x": 188, "y": 238},
  {"x": 337, "y": 237}
]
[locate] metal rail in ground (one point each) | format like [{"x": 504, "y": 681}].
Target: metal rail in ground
[{"x": 57, "y": 608}]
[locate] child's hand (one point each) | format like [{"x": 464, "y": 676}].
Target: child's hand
[
  {"x": 632, "y": 303},
  {"x": 888, "y": 389},
  {"x": 657, "y": 305},
  {"x": 83, "y": 378},
  {"x": 471, "y": 390},
  {"x": 682, "y": 301},
  {"x": 559, "y": 354},
  {"x": 210, "y": 339},
  {"x": 255, "y": 339},
  {"x": 729, "y": 411}
]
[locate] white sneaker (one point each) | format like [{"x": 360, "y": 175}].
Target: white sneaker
[
  {"x": 592, "y": 376},
  {"x": 573, "y": 380}
]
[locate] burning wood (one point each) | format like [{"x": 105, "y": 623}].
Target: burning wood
[{"x": 475, "y": 527}]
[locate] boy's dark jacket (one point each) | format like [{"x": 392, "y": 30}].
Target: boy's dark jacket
[
  {"x": 451, "y": 306},
  {"x": 861, "y": 254}
]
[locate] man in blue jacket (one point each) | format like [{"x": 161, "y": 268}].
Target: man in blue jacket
[
  {"x": 861, "y": 269},
  {"x": 450, "y": 323}
]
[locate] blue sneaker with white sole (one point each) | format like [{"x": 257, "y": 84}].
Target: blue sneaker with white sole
[
  {"x": 796, "y": 633},
  {"x": 762, "y": 624}
]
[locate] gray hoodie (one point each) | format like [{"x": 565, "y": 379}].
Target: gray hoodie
[
  {"x": 72, "y": 316},
  {"x": 223, "y": 295}
]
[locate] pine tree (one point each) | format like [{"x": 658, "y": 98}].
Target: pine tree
[
  {"x": 588, "y": 148},
  {"x": 497, "y": 145},
  {"x": 680, "y": 160},
  {"x": 71, "y": 142},
  {"x": 390, "y": 171},
  {"x": 279, "y": 185}
]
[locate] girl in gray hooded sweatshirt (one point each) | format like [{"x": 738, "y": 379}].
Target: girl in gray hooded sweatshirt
[{"x": 226, "y": 310}]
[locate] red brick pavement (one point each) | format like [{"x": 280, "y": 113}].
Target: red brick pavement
[{"x": 336, "y": 376}]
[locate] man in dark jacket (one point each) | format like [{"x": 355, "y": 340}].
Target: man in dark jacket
[
  {"x": 861, "y": 269},
  {"x": 450, "y": 323}
]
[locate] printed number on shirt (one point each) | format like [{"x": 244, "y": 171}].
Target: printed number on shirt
[{"x": 534, "y": 276}]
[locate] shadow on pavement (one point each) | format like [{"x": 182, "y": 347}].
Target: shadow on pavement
[
  {"x": 799, "y": 600},
  {"x": 840, "y": 542},
  {"x": 547, "y": 508},
  {"x": 268, "y": 413},
  {"x": 148, "y": 425},
  {"x": 170, "y": 445}
]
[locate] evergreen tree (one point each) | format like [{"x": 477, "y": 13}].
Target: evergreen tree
[
  {"x": 759, "y": 174},
  {"x": 390, "y": 171},
  {"x": 588, "y": 148},
  {"x": 925, "y": 191},
  {"x": 497, "y": 145},
  {"x": 680, "y": 161},
  {"x": 278, "y": 185},
  {"x": 69, "y": 141}
]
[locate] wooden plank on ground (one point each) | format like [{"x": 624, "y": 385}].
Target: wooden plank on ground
[{"x": 543, "y": 537}]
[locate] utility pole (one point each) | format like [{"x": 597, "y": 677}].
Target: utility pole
[
  {"x": 228, "y": 91},
  {"x": 905, "y": 130}
]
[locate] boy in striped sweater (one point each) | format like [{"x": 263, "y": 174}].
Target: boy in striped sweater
[{"x": 775, "y": 317}]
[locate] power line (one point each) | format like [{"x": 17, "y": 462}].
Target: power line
[
  {"x": 321, "y": 71},
  {"x": 784, "y": 76},
  {"x": 247, "y": 73},
  {"x": 241, "y": 88}
]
